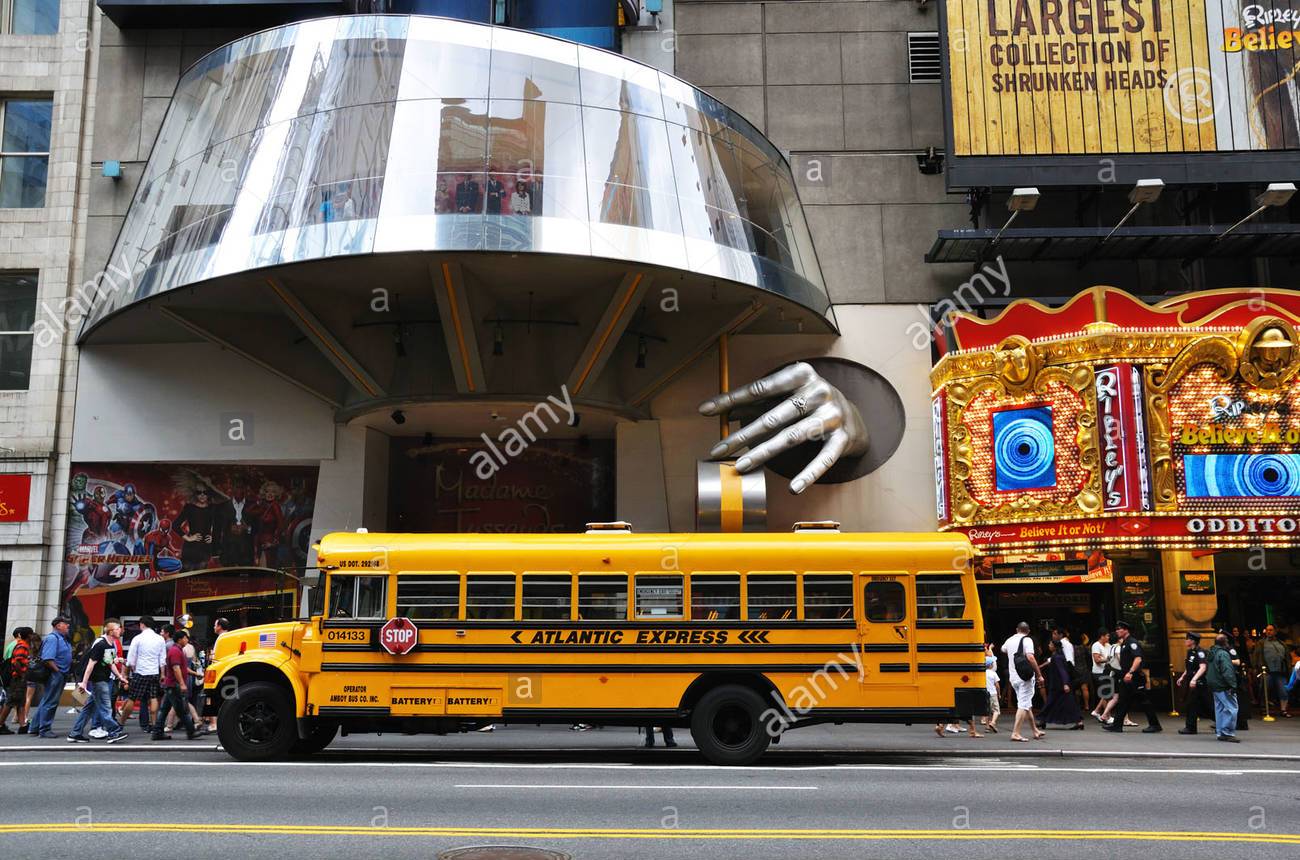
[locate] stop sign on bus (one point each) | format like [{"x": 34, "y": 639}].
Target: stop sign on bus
[{"x": 398, "y": 636}]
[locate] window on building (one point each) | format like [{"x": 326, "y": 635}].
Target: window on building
[
  {"x": 429, "y": 598},
  {"x": 357, "y": 596},
  {"x": 939, "y": 597},
  {"x": 490, "y": 596},
  {"x": 17, "y": 317},
  {"x": 715, "y": 597},
  {"x": 885, "y": 601},
  {"x": 923, "y": 63},
  {"x": 547, "y": 597},
  {"x": 24, "y": 152},
  {"x": 828, "y": 596},
  {"x": 31, "y": 17},
  {"x": 602, "y": 597},
  {"x": 772, "y": 597}
]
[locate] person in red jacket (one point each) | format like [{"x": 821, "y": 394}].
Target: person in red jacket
[{"x": 18, "y": 654}]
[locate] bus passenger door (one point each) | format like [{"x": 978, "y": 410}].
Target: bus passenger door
[{"x": 887, "y": 636}]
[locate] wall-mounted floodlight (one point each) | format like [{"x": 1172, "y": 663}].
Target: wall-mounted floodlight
[
  {"x": 1276, "y": 194},
  {"x": 1021, "y": 200},
  {"x": 1146, "y": 191}
]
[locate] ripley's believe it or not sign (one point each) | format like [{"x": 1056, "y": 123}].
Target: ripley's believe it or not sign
[
  {"x": 1082, "y": 77},
  {"x": 1109, "y": 422}
]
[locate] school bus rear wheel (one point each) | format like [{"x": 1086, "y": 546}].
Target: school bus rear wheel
[
  {"x": 256, "y": 723},
  {"x": 727, "y": 725}
]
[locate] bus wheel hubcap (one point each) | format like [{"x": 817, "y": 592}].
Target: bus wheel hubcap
[
  {"x": 258, "y": 723},
  {"x": 732, "y": 726}
]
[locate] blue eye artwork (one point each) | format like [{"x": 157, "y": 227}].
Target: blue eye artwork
[
  {"x": 1214, "y": 476},
  {"x": 1024, "y": 450}
]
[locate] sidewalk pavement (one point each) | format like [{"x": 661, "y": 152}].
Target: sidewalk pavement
[{"x": 1278, "y": 740}]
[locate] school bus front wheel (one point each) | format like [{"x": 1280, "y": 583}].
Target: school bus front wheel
[{"x": 256, "y": 722}]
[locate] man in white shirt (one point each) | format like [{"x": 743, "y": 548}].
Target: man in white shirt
[
  {"x": 1021, "y": 642},
  {"x": 145, "y": 660}
]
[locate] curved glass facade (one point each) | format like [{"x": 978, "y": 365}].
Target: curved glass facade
[{"x": 376, "y": 134}]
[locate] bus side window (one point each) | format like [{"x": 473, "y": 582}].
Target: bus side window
[
  {"x": 429, "y": 598},
  {"x": 547, "y": 597},
  {"x": 715, "y": 597},
  {"x": 940, "y": 597},
  {"x": 659, "y": 595},
  {"x": 490, "y": 596},
  {"x": 602, "y": 597},
  {"x": 772, "y": 597},
  {"x": 884, "y": 601},
  {"x": 828, "y": 596}
]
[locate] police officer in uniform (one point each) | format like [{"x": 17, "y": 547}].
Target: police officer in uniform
[
  {"x": 1132, "y": 688},
  {"x": 1196, "y": 701},
  {"x": 1243, "y": 683}
]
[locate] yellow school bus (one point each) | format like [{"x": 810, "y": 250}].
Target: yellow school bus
[{"x": 739, "y": 637}]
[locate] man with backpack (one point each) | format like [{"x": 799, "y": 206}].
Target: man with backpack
[
  {"x": 13, "y": 677},
  {"x": 1023, "y": 669}
]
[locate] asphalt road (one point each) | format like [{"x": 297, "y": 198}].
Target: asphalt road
[{"x": 392, "y": 800}]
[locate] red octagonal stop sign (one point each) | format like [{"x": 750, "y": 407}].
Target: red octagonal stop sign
[{"x": 398, "y": 636}]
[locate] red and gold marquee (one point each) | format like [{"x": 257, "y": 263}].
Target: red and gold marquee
[{"x": 1111, "y": 422}]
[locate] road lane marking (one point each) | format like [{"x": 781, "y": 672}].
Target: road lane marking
[
  {"x": 658, "y": 833},
  {"x": 702, "y": 787},
  {"x": 1023, "y": 769}
]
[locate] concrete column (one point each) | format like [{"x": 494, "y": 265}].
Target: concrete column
[
  {"x": 642, "y": 492},
  {"x": 1185, "y": 612}
]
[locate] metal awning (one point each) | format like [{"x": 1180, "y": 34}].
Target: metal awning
[{"x": 1026, "y": 244}]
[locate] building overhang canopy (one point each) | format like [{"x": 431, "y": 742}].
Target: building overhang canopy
[
  {"x": 1081, "y": 244},
  {"x": 399, "y": 208}
]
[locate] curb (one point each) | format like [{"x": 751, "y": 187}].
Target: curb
[{"x": 470, "y": 754}]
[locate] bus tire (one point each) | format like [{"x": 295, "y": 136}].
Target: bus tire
[
  {"x": 727, "y": 725},
  {"x": 256, "y": 723},
  {"x": 318, "y": 737}
]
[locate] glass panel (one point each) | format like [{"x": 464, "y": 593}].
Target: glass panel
[
  {"x": 343, "y": 590},
  {"x": 526, "y": 67},
  {"x": 828, "y": 596},
  {"x": 490, "y": 596},
  {"x": 626, "y": 149},
  {"x": 35, "y": 17},
  {"x": 445, "y": 59},
  {"x": 27, "y": 126},
  {"x": 939, "y": 597},
  {"x": 539, "y": 146},
  {"x": 547, "y": 597},
  {"x": 885, "y": 601},
  {"x": 345, "y": 72},
  {"x": 17, "y": 302},
  {"x": 705, "y": 169},
  {"x": 15, "y": 361},
  {"x": 772, "y": 598},
  {"x": 610, "y": 81},
  {"x": 371, "y": 591},
  {"x": 428, "y": 597},
  {"x": 437, "y": 159},
  {"x": 22, "y": 182},
  {"x": 659, "y": 595},
  {"x": 715, "y": 597},
  {"x": 602, "y": 598}
]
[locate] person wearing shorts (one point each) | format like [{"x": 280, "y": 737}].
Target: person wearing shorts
[
  {"x": 1022, "y": 642},
  {"x": 144, "y": 659}
]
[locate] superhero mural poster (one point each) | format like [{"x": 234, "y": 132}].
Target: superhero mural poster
[{"x": 132, "y": 524}]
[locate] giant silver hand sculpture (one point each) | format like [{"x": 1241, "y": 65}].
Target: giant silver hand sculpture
[{"x": 812, "y": 410}]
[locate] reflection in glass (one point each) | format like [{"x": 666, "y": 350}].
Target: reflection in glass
[
  {"x": 35, "y": 17},
  {"x": 376, "y": 133}
]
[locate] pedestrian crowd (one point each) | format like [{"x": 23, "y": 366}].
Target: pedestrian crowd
[
  {"x": 159, "y": 674},
  {"x": 1111, "y": 680}
]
